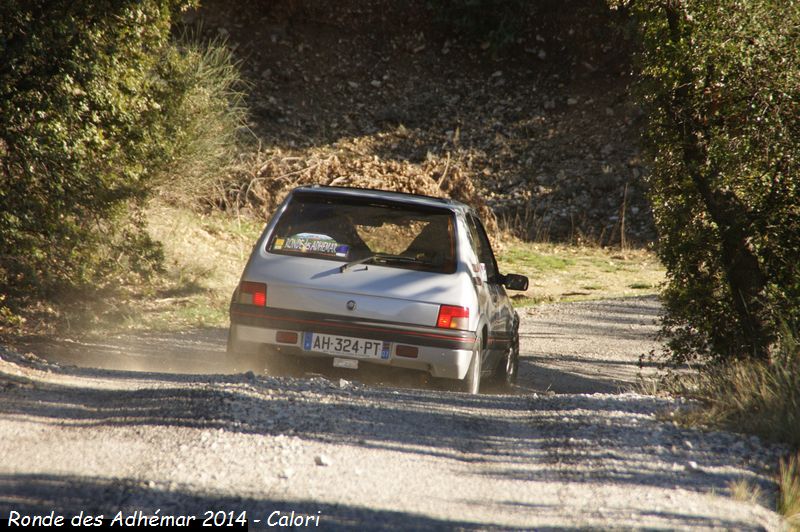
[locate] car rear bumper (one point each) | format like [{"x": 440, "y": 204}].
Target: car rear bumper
[{"x": 441, "y": 352}]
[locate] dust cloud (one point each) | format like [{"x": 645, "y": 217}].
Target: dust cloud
[
  {"x": 202, "y": 352},
  {"x": 197, "y": 351}
]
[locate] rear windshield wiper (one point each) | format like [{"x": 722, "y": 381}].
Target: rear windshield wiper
[{"x": 381, "y": 257}]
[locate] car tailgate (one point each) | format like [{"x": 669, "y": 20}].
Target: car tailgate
[{"x": 374, "y": 292}]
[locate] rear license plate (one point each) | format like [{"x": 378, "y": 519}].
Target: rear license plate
[{"x": 345, "y": 345}]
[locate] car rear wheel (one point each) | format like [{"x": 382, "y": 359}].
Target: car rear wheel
[
  {"x": 472, "y": 380},
  {"x": 505, "y": 374}
]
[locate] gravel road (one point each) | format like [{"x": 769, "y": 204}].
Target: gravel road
[{"x": 154, "y": 422}]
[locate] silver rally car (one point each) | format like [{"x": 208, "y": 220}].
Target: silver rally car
[{"x": 368, "y": 276}]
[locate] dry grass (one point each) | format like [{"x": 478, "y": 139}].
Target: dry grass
[
  {"x": 752, "y": 397},
  {"x": 743, "y": 491},
  {"x": 652, "y": 385},
  {"x": 748, "y": 396},
  {"x": 205, "y": 255},
  {"x": 789, "y": 496},
  {"x": 756, "y": 398}
]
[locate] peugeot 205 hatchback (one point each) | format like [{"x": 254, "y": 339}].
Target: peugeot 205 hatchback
[{"x": 368, "y": 276}]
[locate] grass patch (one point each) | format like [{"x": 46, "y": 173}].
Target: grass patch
[
  {"x": 575, "y": 273},
  {"x": 520, "y": 300},
  {"x": 204, "y": 257},
  {"x": 206, "y": 253},
  {"x": 533, "y": 260}
]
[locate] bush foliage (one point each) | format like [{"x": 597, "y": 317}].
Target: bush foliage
[
  {"x": 99, "y": 108},
  {"x": 82, "y": 132},
  {"x": 722, "y": 83}
]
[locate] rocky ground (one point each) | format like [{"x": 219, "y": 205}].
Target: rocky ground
[{"x": 160, "y": 425}]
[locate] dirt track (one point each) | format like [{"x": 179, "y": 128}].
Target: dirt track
[{"x": 162, "y": 426}]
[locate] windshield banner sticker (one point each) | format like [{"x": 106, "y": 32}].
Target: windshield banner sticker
[{"x": 311, "y": 243}]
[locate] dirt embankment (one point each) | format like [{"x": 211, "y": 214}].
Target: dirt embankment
[{"x": 386, "y": 94}]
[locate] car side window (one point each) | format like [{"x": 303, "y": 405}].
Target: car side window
[{"x": 482, "y": 247}]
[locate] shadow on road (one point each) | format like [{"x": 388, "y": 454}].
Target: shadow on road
[{"x": 512, "y": 432}]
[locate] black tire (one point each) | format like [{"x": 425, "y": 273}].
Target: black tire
[
  {"x": 505, "y": 374},
  {"x": 472, "y": 380}
]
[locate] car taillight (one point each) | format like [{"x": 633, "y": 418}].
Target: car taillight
[
  {"x": 253, "y": 293},
  {"x": 286, "y": 337},
  {"x": 451, "y": 317},
  {"x": 408, "y": 351}
]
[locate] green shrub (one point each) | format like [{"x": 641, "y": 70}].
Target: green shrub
[
  {"x": 82, "y": 136},
  {"x": 721, "y": 82},
  {"x": 98, "y": 109}
]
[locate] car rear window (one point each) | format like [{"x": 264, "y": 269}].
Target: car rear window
[{"x": 350, "y": 229}]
